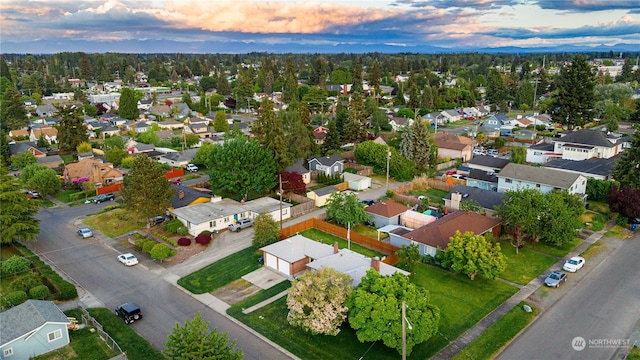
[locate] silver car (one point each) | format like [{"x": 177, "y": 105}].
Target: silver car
[
  {"x": 555, "y": 279},
  {"x": 85, "y": 233}
]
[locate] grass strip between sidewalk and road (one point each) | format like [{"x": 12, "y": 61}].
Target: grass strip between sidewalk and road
[{"x": 498, "y": 335}]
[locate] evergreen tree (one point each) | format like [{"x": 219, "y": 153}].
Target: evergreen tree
[
  {"x": 332, "y": 140},
  {"x": 5, "y": 153},
  {"x": 524, "y": 94},
  {"x": 357, "y": 76},
  {"x": 574, "y": 100},
  {"x": 13, "y": 114},
  {"x": 146, "y": 191},
  {"x": 220, "y": 123},
  {"x": 71, "y": 129},
  {"x": 244, "y": 89},
  {"x": 626, "y": 74},
  {"x": 17, "y": 213},
  {"x": 414, "y": 97},
  {"x": 627, "y": 169},
  {"x": 4, "y": 69},
  {"x": 496, "y": 87},
  {"x": 374, "y": 77},
  {"x": 354, "y": 129},
  {"x": 269, "y": 132},
  {"x": 128, "y": 105},
  {"x": 222, "y": 85},
  {"x": 342, "y": 113}
]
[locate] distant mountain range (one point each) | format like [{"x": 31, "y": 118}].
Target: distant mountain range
[{"x": 241, "y": 47}]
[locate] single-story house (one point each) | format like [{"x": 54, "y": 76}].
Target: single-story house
[
  {"x": 171, "y": 124},
  {"x": 487, "y": 199},
  {"x": 517, "y": 176},
  {"x": 321, "y": 196},
  {"x": 32, "y": 328},
  {"x": 298, "y": 168},
  {"x": 178, "y": 158},
  {"x": 486, "y": 180},
  {"x": 437, "y": 234},
  {"x": 413, "y": 219},
  {"x": 398, "y": 123},
  {"x": 186, "y": 196},
  {"x": 218, "y": 213},
  {"x": 454, "y": 146},
  {"x": 330, "y": 165},
  {"x": 487, "y": 163},
  {"x": 357, "y": 182},
  {"x": 297, "y": 253},
  {"x": 386, "y": 213}
]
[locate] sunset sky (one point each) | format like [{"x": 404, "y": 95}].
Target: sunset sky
[{"x": 35, "y": 26}]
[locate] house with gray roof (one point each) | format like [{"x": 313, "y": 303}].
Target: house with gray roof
[
  {"x": 178, "y": 158},
  {"x": 330, "y": 165},
  {"x": 487, "y": 163},
  {"x": 185, "y": 196},
  {"x": 541, "y": 152},
  {"x": 481, "y": 179},
  {"x": 321, "y": 196},
  {"x": 32, "y": 328},
  {"x": 596, "y": 168},
  {"x": 516, "y": 176},
  {"x": 487, "y": 199},
  {"x": 586, "y": 144},
  {"x": 45, "y": 110},
  {"x": 299, "y": 168}
]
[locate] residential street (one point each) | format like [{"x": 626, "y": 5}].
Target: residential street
[{"x": 601, "y": 307}]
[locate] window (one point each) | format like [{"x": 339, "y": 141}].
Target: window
[
  {"x": 8, "y": 352},
  {"x": 284, "y": 211},
  {"x": 508, "y": 181},
  {"x": 212, "y": 224},
  {"x": 54, "y": 335},
  {"x": 226, "y": 219},
  {"x": 538, "y": 186}
]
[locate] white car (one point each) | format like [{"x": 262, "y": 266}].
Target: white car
[
  {"x": 128, "y": 259},
  {"x": 574, "y": 264},
  {"x": 191, "y": 168}
]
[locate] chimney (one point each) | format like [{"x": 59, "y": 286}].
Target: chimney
[
  {"x": 456, "y": 197},
  {"x": 335, "y": 247},
  {"x": 181, "y": 195},
  {"x": 375, "y": 263}
]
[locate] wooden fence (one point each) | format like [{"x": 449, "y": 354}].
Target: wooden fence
[
  {"x": 361, "y": 170},
  {"x": 341, "y": 232},
  {"x": 304, "y": 206},
  {"x": 109, "y": 188}
]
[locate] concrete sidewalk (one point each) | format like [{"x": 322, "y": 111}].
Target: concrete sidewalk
[{"x": 473, "y": 333}]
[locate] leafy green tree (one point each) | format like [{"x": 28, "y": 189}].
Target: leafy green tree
[
  {"x": 13, "y": 114},
  {"x": 472, "y": 255},
  {"x": 518, "y": 154},
  {"x": 23, "y": 160},
  {"x": 17, "y": 213},
  {"x": 114, "y": 142},
  {"x": 627, "y": 169},
  {"x": 115, "y": 156},
  {"x": 5, "y": 152},
  {"x": 193, "y": 341},
  {"x": 375, "y": 311},
  {"x": 220, "y": 123},
  {"x": 521, "y": 213},
  {"x": 561, "y": 217},
  {"x": 148, "y": 137},
  {"x": 268, "y": 131},
  {"x": 241, "y": 166},
  {"x": 41, "y": 179},
  {"x": 472, "y": 205},
  {"x": 346, "y": 209},
  {"x": 202, "y": 154},
  {"x": 354, "y": 128},
  {"x": 316, "y": 301},
  {"x": 128, "y": 105},
  {"x": 574, "y": 100},
  {"x": 266, "y": 230},
  {"x": 408, "y": 257},
  {"x": 380, "y": 121},
  {"x": 71, "y": 129},
  {"x": 597, "y": 190},
  {"x": 146, "y": 191}
]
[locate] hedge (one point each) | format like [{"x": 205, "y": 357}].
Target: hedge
[
  {"x": 65, "y": 290},
  {"x": 40, "y": 292}
]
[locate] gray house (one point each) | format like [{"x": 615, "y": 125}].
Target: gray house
[
  {"x": 330, "y": 165},
  {"x": 32, "y": 328}
]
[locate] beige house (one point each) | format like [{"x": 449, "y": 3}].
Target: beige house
[
  {"x": 454, "y": 146},
  {"x": 50, "y": 134},
  {"x": 94, "y": 170}
]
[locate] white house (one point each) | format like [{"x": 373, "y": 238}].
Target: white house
[
  {"x": 517, "y": 176},
  {"x": 586, "y": 144}
]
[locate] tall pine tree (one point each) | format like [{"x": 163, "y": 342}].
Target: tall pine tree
[
  {"x": 71, "y": 129},
  {"x": 574, "y": 100},
  {"x": 128, "y": 105},
  {"x": 17, "y": 213}
]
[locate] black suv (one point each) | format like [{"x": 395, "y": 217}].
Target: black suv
[
  {"x": 104, "y": 197},
  {"x": 129, "y": 312}
]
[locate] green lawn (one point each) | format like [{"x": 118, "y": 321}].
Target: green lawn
[
  {"x": 68, "y": 196},
  {"x": 369, "y": 231},
  {"x": 559, "y": 251},
  {"x": 525, "y": 266},
  {"x": 462, "y": 303},
  {"x": 222, "y": 272},
  {"x": 435, "y": 195},
  {"x": 498, "y": 334},
  {"x": 115, "y": 222},
  {"x": 326, "y": 238}
]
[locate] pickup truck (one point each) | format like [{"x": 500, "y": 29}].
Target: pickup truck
[
  {"x": 103, "y": 198},
  {"x": 240, "y": 224}
]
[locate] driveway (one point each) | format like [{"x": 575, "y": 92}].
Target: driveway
[{"x": 592, "y": 316}]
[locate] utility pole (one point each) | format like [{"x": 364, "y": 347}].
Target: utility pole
[
  {"x": 388, "y": 159},
  {"x": 280, "y": 193}
]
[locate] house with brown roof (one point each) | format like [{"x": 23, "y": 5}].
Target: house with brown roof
[
  {"x": 19, "y": 134},
  {"x": 386, "y": 213},
  {"x": 94, "y": 170},
  {"x": 50, "y": 134},
  {"x": 436, "y": 235},
  {"x": 454, "y": 146}
]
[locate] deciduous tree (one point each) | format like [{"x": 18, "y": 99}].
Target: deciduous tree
[
  {"x": 625, "y": 200},
  {"x": 518, "y": 154},
  {"x": 266, "y": 230},
  {"x": 346, "y": 209},
  {"x": 115, "y": 156},
  {"x": 220, "y": 123},
  {"x": 316, "y": 301},
  {"x": 375, "y": 311},
  {"x": 23, "y": 160},
  {"x": 521, "y": 213},
  {"x": 472, "y": 255},
  {"x": 146, "y": 191},
  {"x": 292, "y": 182},
  {"x": 194, "y": 341},
  {"x": 41, "y": 179},
  {"x": 17, "y": 213}
]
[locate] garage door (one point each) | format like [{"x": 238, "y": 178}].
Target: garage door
[
  {"x": 283, "y": 267},
  {"x": 272, "y": 262}
]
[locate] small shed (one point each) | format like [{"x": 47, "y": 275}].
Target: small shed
[
  {"x": 413, "y": 219},
  {"x": 321, "y": 196},
  {"x": 357, "y": 182},
  {"x": 386, "y": 213}
]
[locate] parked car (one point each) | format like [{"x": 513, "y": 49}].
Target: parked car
[
  {"x": 157, "y": 220},
  {"x": 33, "y": 194},
  {"x": 85, "y": 233},
  {"x": 574, "y": 264},
  {"x": 555, "y": 279},
  {"x": 191, "y": 168},
  {"x": 104, "y": 197},
  {"x": 493, "y": 152},
  {"x": 240, "y": 224},
  {"x": 367, "y": 202},
  {"x": 129, "y": 312},
  {"x": 128, "y": 259},
  {"x": 458, "y": 177}
]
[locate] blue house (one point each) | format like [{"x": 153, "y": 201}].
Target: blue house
[
  {"x": 32, "y": 328},
  {"x": 496, "y": 121},
  {"x": 330, "y": 165}
]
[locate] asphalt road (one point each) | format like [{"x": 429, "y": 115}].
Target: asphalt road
[
  {"x": 92, "y": 264},
  {"x": 602, "y": 308}
]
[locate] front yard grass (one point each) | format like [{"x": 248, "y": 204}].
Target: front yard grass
[
  {"x": 116, "y": 222},
  {"x": 593, "y": 250},
  {"x": 559, "y": 251},
  {"x": 67, "y": 196},
  {"x": 498, "y": 334},
  {"x": 326, "y": 238},
  {"x": 462, "y": 303},
  {"x": 525, "y": 266},
  {"x": 222, "y": 272}
]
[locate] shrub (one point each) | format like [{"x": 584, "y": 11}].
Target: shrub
[
  {"x": 173, "y": 225},
  {"x": 148, "y": 245},
  {"x": 39, "y": 292},
  {"x": 16, "y": 298},
  {"x": 64, "y": 290},
  {"x": 15, "y": 264},
  {"x": 622, "y": 221},
  {"x": 184, "y": 241},
  {"x": 182, "y": 231},
  {"x": 26, "y": 281},
  {"x": 597, "y": 226},
  {"x": 139, "y": 244},
  {"x": 160, "y": 252},
  {"x": 203, "y": 239},
  {"x": 205, "y": 232}
]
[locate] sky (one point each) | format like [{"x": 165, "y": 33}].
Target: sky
[{"x": 227, "y": 26}]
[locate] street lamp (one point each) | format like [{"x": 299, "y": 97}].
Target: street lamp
[{"x": 404, "y": 331}]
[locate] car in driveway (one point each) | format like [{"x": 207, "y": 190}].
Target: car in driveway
[
  {"x": 555, "y": 279},
  {"x": 128, "y": 259},
  {"x": 129, "y": 312},
  {"x": 104, "y": 197},
  {"x": 84, "y": 233},
  {"x": 367, "y": 202},
  {"x": 191, "y": 168},
  {"x": 574, "y": 264},
  {"x": 240, "y": 224},
  {"x": 157, "y": 220}
]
